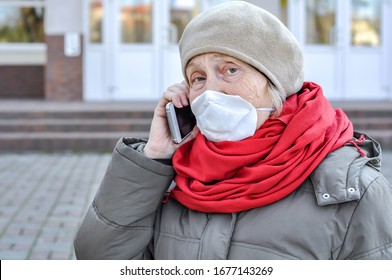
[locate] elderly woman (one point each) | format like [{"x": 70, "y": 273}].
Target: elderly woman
[{"x": 271, "y": 171}]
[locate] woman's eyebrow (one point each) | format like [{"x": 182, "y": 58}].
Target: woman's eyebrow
[{"x": 190, "y": 67}]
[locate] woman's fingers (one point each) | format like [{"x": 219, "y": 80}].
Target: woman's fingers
[{"x": 178, "y": 94}]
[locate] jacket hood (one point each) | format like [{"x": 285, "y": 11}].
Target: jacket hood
[{"x": 337, "y": 178}]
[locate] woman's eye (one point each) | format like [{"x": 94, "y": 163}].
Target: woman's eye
[
  {"x": 231, "y": 70},
  {"x": 198, "y": 79}
]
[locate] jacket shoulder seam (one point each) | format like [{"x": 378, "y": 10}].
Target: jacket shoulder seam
[{"x": 352, "y": 216}]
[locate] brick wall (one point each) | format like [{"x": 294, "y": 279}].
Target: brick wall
[
  {"x": 63, "y": 75},
  {"x": 22, "y": 82}
]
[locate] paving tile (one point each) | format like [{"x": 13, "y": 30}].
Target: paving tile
[
  {"x": 61, "y": 255},
  {"x": 13, "y": 255},
  {"x": 43, "y": 197},
  {"x": 39, "y": 255}
]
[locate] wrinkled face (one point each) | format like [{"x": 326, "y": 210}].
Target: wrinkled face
[{"x": 226, "y": 74}]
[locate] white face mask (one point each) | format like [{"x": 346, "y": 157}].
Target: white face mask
[{"x": 223, "y": 117}]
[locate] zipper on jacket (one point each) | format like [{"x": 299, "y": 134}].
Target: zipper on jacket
[{"x": 166, "y": 197}]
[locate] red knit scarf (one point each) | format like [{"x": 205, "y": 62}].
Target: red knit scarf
[{"x": 230, "y": 177}]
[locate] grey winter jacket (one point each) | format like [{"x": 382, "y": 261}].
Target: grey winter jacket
[{"x": 342, "y": 211}]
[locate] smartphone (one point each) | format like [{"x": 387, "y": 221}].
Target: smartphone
[{"x": 181, "y": 122}]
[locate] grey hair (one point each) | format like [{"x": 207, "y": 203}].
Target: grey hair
[{"x": 277, "y": 99}]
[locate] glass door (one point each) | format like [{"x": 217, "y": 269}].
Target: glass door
[
  {"x": 120, "y": 54},
  {"x": 364, "y": 51},
  {"x": 96, "y": 83},
  {"x": 135, "y": 57},
  {"x": 347, "y": 46},
  {"x": 320, "y": 40},
  {"x": 178, "y": 14},
  {"x": 131, "y": 46}
]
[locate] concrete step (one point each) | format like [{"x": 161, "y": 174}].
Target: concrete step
[
  {"x": 97, "y": 126},
  {"x": 372, "y": 118},
  {"x": 72, "y": 125},
  {"x": 75, "y": 110},
  {"x": 64, "y": 141},
  {"x": 363, "y": 109},
  {"x": 75, "y": 115},
  {"x": 372, "y": 123}
]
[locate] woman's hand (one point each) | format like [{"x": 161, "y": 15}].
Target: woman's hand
[{"x": 160, "y": 143}]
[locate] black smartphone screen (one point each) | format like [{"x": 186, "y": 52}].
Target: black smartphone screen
[{"x": 186, "y": 120}]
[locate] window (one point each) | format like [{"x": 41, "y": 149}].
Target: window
[
  {"x": 320, "y": 23},
  {"x": 22, "y": 21},
  {"x": 181, "y": 12},
  {"x": 283, "y": 12},
  {"x": 95, "y": 20},
  {"x": 365, "y": 23},
  {"x": 136, "y": 21}
]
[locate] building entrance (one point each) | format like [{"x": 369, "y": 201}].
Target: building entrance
[
  {"x": 347, "y": 46},
  {"x": 132, "y": 46}
]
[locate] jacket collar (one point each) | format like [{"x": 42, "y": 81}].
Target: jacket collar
[{"x": 336, "y": 179}]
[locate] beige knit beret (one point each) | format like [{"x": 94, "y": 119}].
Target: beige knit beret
[{"x": 248, "y": 33}]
